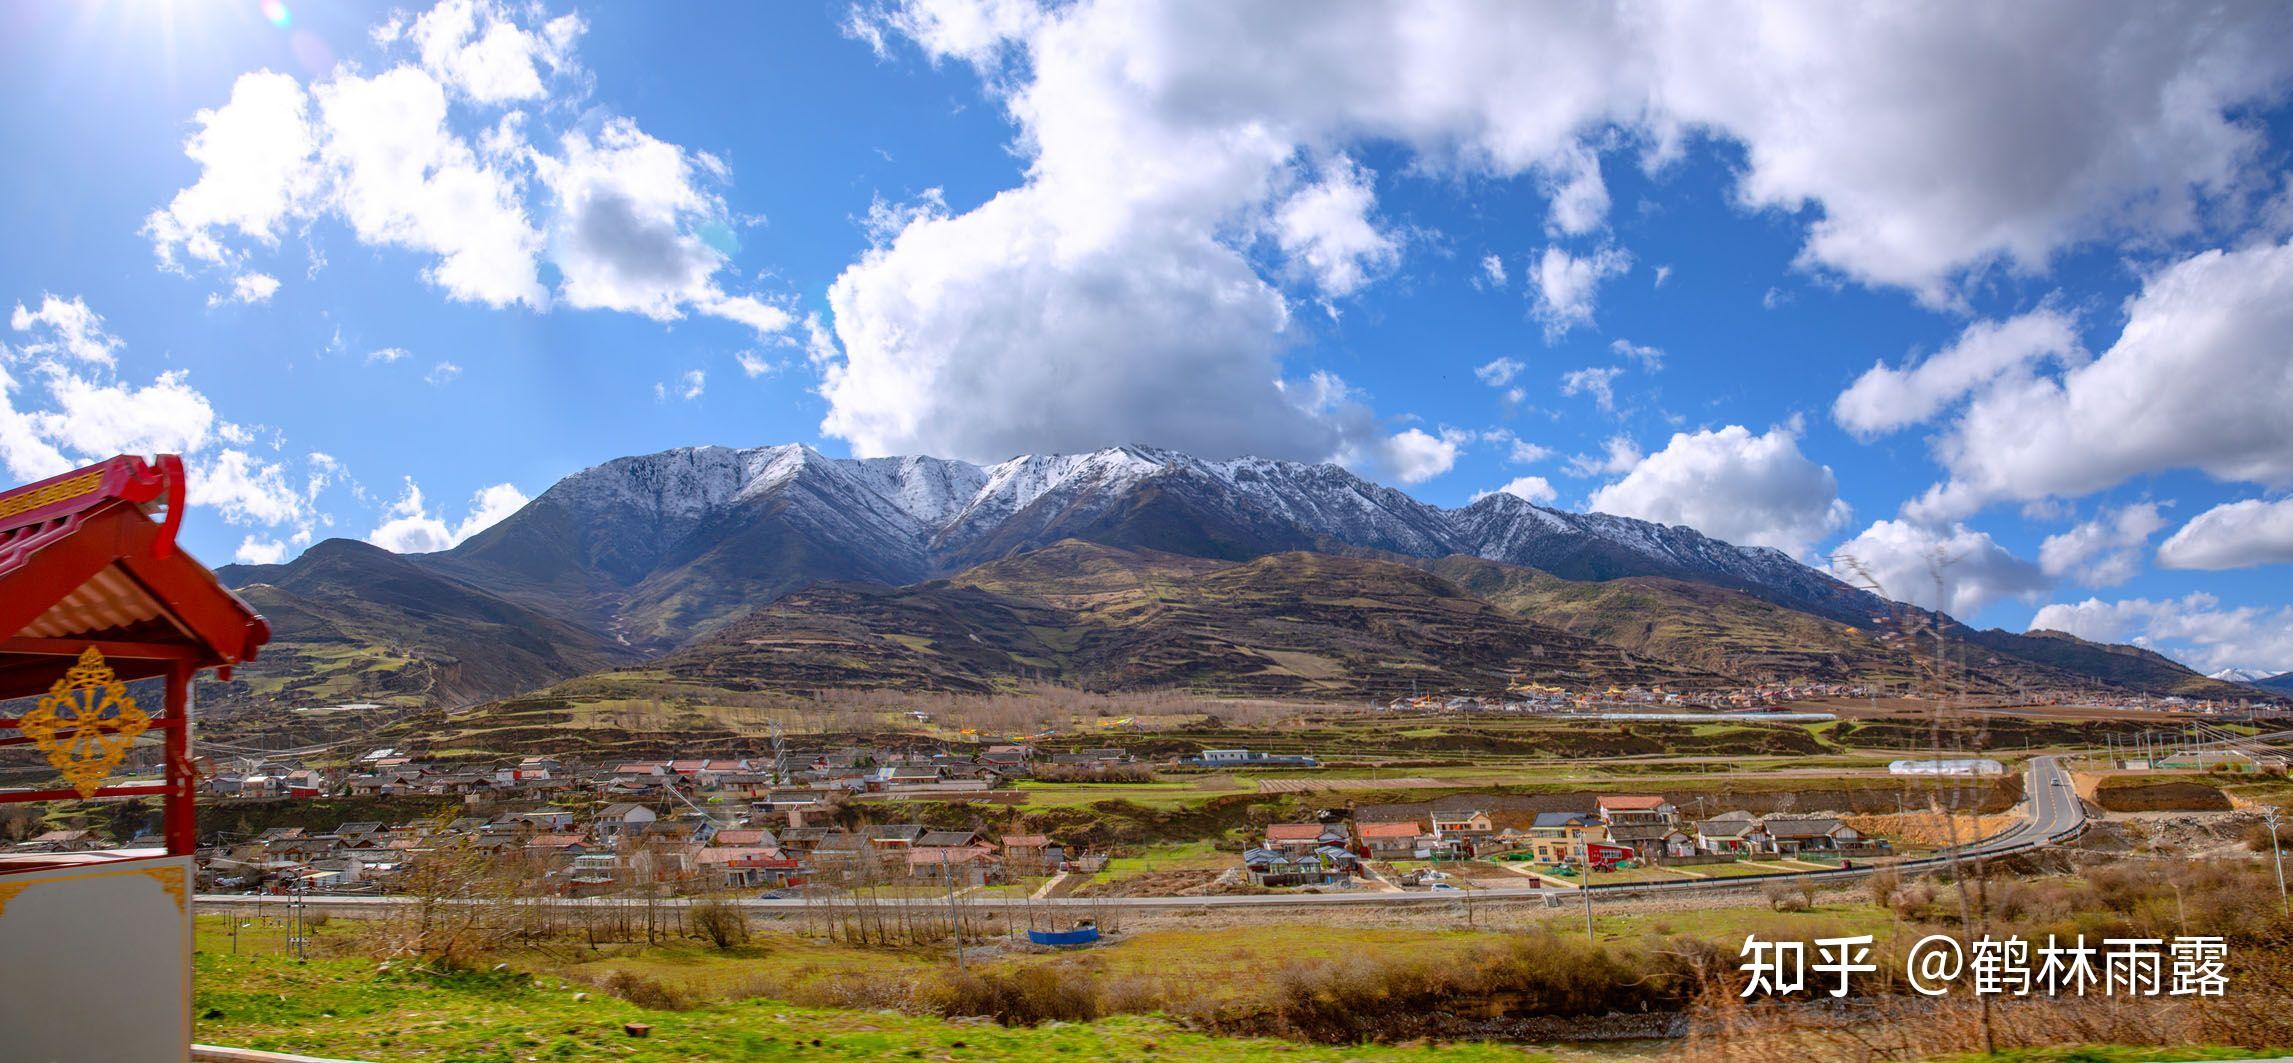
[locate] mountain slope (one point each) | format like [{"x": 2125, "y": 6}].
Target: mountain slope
[
  {"x": 657, "y": 548},
  {"x": 1103, "y": 618},
  {"x": 352, "y": 622},
  {"x": 645, "y": 554}
]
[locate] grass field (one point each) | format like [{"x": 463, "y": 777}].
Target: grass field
[{"x": 348, "y": 1009}]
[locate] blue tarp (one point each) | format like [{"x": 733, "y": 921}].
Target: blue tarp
[{"x": 1084, "y": 936}]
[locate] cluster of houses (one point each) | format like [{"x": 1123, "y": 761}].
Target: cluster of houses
[
  {"x": 1618, "y": 827},
  {"x": 1532, "y": 697},
  {"x": 844, "y": 771},
  {"x": 625, "y": 845},
  {"x": 698, "y": 823}
]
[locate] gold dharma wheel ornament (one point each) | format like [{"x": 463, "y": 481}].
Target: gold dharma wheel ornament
[{"x": 85, "y": 723}]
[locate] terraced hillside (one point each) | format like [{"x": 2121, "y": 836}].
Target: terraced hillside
[{"x": 1103, "y": 618}]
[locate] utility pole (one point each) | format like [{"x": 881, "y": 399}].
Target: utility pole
[
  {"x": 1586, "y": 889},
  {"x": 2277, "y": 856}
]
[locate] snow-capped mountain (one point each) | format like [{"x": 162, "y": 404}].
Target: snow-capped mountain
[
  {"x": 2241, "y": 675},
  {"x": 643, "y": 554},
  {"x": 680, "y": 540}
]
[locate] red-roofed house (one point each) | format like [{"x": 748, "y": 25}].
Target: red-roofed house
[{"x": 1388, "y": 841}]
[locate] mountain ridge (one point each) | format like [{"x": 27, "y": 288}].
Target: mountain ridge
[{"x": 647, "y": 554}]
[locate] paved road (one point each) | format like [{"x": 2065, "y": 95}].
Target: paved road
[{"x": 2051, "y": 813}]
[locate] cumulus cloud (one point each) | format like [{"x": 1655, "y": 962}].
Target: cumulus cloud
[
  {"x": 259, "y": 551},
  {"x": 2233, "y": 535},
  {"x": 1499, "y": 372},
  {"x": 2200, "y": 377},
  {"x": 1651, "y": 359},
  {"x": 1325, "y": 228},
  {"x": 481, "y": 52},
  {"x": 1493, "y": 269},
  {"x": 442, "y": 374},
  {"x": 63, "y": 327},
  {"x": 63, "y": 403},
  {"x": 2104, "y": 551},
  {"x": 247, "y": 289},
  {"x": 1618, "y": 455},
  {"x": 2195, "y": 628},
  {"x": 1159, "y": 146},
  {"x": 1884, "y": 399},
  {"x": 431, "y": 155},
  {"x": 1596, "y": 381},
  {"x": 754, "y": 364},
  {"x": 1535, "y": 489},
  {"x": 410, "y": 528},
  {"x": 1565, "y": 286},
  {"x": 1955, "y": 569},
  {"x": 1414, "y": 455},
  {"x": 1751, "y": 490}
]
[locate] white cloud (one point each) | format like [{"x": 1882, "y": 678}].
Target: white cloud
[
  {"x": 2196, "y": 628},
  {"x": 247, "y": 489},
  {"x": 1566, "y": 286},
  {"x": 1499, "y": 372},
  {"x": 756, "y": 365},
  {"x": 71, "y": 407},
  {"x": 410, "y": 528},
  {"x": 2233, "y": 535},
  {"x": 1157, "y": 140},
  {"x": 1751, "y": 490},
  {"x": 1955, "y": 569},
  {"x": 419, "y": 156},
  {"x": 1885, "y": 399},
  {"x": 255, "y": 172},
  {"x": 2197, "y": 379},
  {"x": 1493, "y": 268},
  {"x": 247, "y": 289},
  {"x": 1518, "y": 451},
  {"x": 1618, "y": 455},
  {"x": 629, "y": 236},
  {"x": 1598, "y": 382},
  {"x": 64, "y": 327},
  {"x": 1325, "y": 227},
  {"x": 258, "y": 551},
  {"x": 475, "y": 47},
  {"x": 386, "y": 355},
  {"x": 442, "y": 374},
  {"x": 1526, "y": 488},
  {"x": 2105, "y": 551},
  {"x": 400, "y": 177},
  {"x": 99, "y": 418},
  {"x": 489, "y": 507},
  {"x": 1663, "y": 273},
  {"x": 1651, "y": 359},
  {"x": 1415, "y": 455},
  {"x": 692, "y": 384}
]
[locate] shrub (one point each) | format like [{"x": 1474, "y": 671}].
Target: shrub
[
  {"x": 1019, "y": 997},
  {"x": 719, "y": 922},
  {"x": 1785, "y": 897},
  {"x": 646, "y": 992}
]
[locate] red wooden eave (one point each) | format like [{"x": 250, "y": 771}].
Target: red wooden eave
[{"x": 83, "y": 563}]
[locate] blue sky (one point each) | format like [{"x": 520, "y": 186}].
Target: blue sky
[{"x": 385, "y": 272}]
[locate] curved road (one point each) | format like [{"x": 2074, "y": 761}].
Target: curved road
[{"x": 2051, "y": 813}]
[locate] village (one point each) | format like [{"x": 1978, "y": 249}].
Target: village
[{"x": 833, "y": 820}]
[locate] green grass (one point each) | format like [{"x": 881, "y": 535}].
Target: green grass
[
  {"x": 2104, "y": 1054},
  {"x": 1149, "y": 794},
  {"x": 348, "y": 1008}
]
